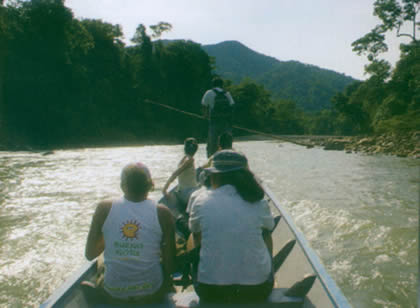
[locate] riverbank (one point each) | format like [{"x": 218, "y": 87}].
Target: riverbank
[
  {"x": 401, "y": 145},
  {"x": 16, "y": 143}
]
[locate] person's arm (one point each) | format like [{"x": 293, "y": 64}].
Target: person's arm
[
  {"x": 205, "y": 103},
  {"x": 205, "y": 111},
  {"x": 267, "y": 224},
  {"x": 208, "y": 163},
  {"x": 168, "y": 249},
  {"x": 268, "y": 240},
  {"x": 197, "y": 239},
  {"x": 229, "y": 96},
  {"x": 95, "y": 244},
  {"x": 187, "y": 163}
]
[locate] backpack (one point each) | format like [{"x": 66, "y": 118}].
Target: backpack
[{"x": 221, "y": 108}]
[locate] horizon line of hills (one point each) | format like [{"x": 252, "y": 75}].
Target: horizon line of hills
[{"x": 309, "y": 86}]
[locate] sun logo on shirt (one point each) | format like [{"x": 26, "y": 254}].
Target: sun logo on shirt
[{"x": 129, "y": 230}]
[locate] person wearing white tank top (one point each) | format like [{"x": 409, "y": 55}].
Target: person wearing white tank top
[
  {"x": 137, "y": 239},
  {"x": 185, "y": 173}
]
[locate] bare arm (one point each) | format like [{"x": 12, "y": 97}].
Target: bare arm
[
  {"x": 268, "y": 241},
  {"x": 197, "y": 239},
  {"x": 205, "y": 103},
  {"x": 95, "y": 244},
  {"x": 168, "y": 249},
  {"x": 208, "y": 163},
  {"x": 187, "y": 163},
  {"x": 205, "y": 111}
]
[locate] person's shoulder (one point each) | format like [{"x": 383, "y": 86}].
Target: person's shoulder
[
  {"x": 199, "y": 192},
  {"x": 102, "y": 210},
  {"x": 164, "y": 212},
  {"x": 263, "y": 206},
  {"x": 104, "y": 206},
  {"x": 229, "y": 96},
  {"x": 199, "y": 197},
  {"x": 209, "y": 92}
]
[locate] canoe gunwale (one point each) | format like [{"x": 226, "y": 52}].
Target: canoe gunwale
[
  {"x": 333, "y": 291},
  {"x": 330, "y": 287},
  {"x": 69, "y": 284}
]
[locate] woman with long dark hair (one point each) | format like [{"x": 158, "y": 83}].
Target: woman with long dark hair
[{"x": 229, "y": 221}]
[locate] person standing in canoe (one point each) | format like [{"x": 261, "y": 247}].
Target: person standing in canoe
[
  {"x": 232, "y": 270},
  {"x": 218, "y": 108},
  {"x": 137, "y": 237}
]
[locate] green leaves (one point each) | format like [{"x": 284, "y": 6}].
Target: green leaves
[
  {"x": 381, "y": 69},
  {"x": 389, "y": 11},
  {"x": 160, "y": 28},
  {"x": 393, "y": 15},
  {"x": 372, "y": 44}
]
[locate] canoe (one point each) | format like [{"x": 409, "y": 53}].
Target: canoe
[{"x": 300, "y": 278}]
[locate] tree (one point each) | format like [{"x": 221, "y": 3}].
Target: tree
[
  {"x": 160, "y": 28},
  {"x": 252, "y": 103},
  {"x": 393, "y": 15},
  {"x": 353, "y": 106},
  {"x": 3, "y": 54}
]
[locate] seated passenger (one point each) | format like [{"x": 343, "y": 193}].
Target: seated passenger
[
  {"x": 187, "y": 182},
  {"x": 229, "y": 221},
  {"x": 224, "y": 142},
  {"x": 137, "y": 238}
]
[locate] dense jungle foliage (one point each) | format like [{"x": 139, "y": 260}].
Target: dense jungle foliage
[
  {"x": 389, "y": 100},
  {"x": 70, "y": 82}
]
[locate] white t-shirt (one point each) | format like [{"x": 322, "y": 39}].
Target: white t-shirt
[
  {"x": 194, "y": 196},
  {"x": 132, "y": 235},
  {"x": 232, "y": 247},
  {"x": 208, "y": 98}
]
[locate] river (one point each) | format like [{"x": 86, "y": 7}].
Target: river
[{"x": 358, "y": 212}]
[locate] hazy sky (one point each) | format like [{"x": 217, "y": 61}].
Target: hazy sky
[{"x": 318, "y": 32}]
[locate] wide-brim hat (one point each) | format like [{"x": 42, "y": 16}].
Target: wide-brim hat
[{"x": 227, "y": 161}]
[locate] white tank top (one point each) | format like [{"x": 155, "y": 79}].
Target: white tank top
[
  {"x": 187, "y": 178},
  {"x": 132, "y": 236}
]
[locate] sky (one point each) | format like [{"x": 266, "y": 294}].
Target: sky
[{"x": 317, "y": 32}]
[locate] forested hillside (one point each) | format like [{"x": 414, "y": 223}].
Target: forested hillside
[
  {"x": 235, "y": 61},
  {"x": 309, "y": 86},
  {"x": 71, "y": 82},
  {"x": 74, "y": 82}
]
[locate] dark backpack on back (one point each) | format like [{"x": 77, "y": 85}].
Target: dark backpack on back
[{"x": 221, "y": 108}]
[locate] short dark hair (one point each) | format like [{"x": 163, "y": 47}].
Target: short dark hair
[
  {"x": 225, "y": 141},
  {"x": 135, "y": 180},
  {"x": 217, "y": 82},
  {"x": 190, "y": 146}
]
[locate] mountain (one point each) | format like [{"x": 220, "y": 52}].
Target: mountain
[{"x": 311, "y": 87}]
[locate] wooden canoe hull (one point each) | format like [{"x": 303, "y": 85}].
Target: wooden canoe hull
[{"x": 299, "y": 261}]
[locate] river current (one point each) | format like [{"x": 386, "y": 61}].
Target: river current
[{"x": 358, "y": 212}]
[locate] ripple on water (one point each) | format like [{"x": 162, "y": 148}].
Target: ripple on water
[{"x": 359, "y": 213}]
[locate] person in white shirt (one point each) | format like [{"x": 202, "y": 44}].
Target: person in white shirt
[
  {"x": 231, "y": 223},
  {"x": 218, "y": 108},
  {"x": 137, "y": 239}
]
